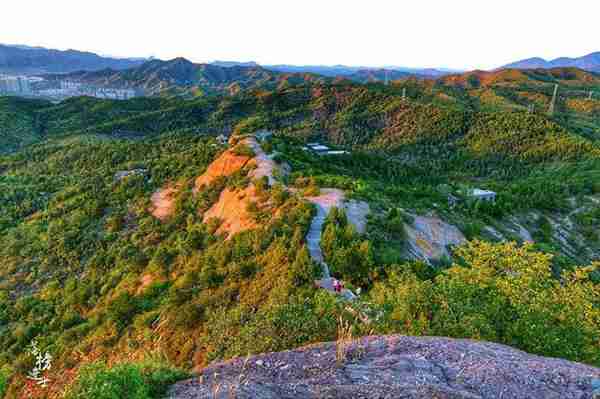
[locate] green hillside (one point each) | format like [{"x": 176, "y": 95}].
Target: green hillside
[
  {"x": 19, "y": 125},
  {"x": 94, "y": 278}
]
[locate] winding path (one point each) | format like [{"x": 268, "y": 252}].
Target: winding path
[
  {"x": 356, "y": 213},
  {"x": 329, "y": 198},
  {"x": 314, "y": 239}
]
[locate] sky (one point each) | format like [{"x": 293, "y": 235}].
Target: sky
[{"x": 457, "y": 34}]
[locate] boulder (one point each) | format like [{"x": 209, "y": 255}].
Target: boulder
[{"x": 394, "y": 367}]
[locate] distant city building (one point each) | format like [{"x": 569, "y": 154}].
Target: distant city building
[
  {"x": 59, "y": 89},
  {"x": 15, "y": 85},
  {"x": 68, "y": 85}
]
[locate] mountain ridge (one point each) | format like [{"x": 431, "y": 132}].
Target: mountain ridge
[
  {"x": 34, "y": 60},
  {"x": 181, "y": 76},
  {"x": 589, "y": 62}
]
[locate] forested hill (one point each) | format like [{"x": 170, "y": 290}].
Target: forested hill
[
  {"x": 371, "y": 116},
  {"x": 126, "y": 298},
  {"x": 511, "y": 77},
  {"x": 184, "y": 78}
]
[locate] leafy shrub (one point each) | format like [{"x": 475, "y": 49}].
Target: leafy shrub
[
  {"x": 243, "y": 150},
  {"x": 279, "y": 194},
  {"x": 303, "y": 270},
  {"x": 348, "y": 255},
  {"x": 122, "y": 310},
  {"x": 267, "y": 146},
  {"x": 132, "y": 381},
  {"x": 502, "y": 293},
  {"x": 298, "y": 322},
  {"x": 4, "y": 377}
]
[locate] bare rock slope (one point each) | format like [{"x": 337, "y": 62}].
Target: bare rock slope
[
  {"x": 395, "y": 367},
  {"x": 429, "y": 238},
  {"x": 232, "y": 207}
]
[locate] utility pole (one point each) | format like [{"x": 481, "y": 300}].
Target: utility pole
[
  {"x": 387, "y": 78},
  {"x": 531, "y": 108},
  {"x": 404, "y": 94},
  {"x": 553, "y": 102},
  {"x": 591, "y": 94}
]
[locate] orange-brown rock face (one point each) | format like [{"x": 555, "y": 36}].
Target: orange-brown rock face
[
  {"x": 163, "y": 202},
  {"x": 232, "y": 207},
  {"x": 227, "y": 164},
  {"x": 232, "y": 210}
]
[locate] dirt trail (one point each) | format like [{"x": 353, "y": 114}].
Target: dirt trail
[
  {"x": 328, "y": 199},
  {"x": 232, "y": 206},
  {"x": 357, "y": 215},
  {"x": 265, "y": 166}
]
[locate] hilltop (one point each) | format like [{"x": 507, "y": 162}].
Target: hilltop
[
  {"x": 514, "y": 76},
  {"x": 590, "y": 62}
]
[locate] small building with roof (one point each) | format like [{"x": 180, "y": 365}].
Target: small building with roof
[
  {"x": 483, "y": 195},
  {"x": 322, "y": 149}
]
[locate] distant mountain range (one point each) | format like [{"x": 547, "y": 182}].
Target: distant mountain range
[
  {"x": 347, "y": 71},
  {"x": 35, "y": 60},
  {"x": 21, "y": 59},
  {"x": 180, "y": 76},
  {"x": 590, "y": 62}
]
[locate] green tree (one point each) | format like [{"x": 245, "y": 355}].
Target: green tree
[{"x": 303, "y": 270}]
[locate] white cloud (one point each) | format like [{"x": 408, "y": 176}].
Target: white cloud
[{"x": 457, "y": 34}]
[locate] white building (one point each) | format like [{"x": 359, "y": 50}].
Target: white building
[
  {"x": 483, "y": 195},
  {"x": 321, "y": 149}
]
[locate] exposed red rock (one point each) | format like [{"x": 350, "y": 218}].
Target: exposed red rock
[
  {"x": 232, "y": 210},
  {"x": 163, "y": 202},
  {"x": 232, "y": 207},
  {"x": 227, "y": 164}
]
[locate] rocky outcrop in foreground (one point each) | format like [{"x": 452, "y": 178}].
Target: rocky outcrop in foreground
[{"x": 395, "y": 367}]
